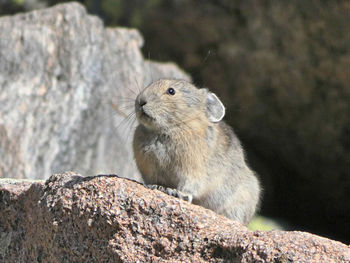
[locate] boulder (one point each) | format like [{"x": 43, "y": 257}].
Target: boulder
[
  {"x": 282, "y": 70},
  {"x": 67, "y": 86},
  {"x": 104, "y": 218}
]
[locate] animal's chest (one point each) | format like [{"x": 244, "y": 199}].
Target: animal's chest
[
  {"x": 159, "y": 165},
  {"x": 157, "y": 152}
]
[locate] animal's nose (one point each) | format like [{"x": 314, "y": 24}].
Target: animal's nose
[{"x": 142, "y": 101}]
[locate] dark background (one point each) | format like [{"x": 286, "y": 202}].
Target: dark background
[{"x": 282, "y": 68}]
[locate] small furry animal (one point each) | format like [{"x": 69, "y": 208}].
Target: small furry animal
[{"x": 182, "y": 143}]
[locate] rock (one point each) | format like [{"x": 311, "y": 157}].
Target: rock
[
  {"x": 70, "y": 218},
  {"x": 66, "y": 91},
  {"x": 282, "y": 71}
]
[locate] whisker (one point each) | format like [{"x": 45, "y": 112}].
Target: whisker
[
  {"x": 149, "y": 66},
  {"x": 124, "y": 123},
  {"x": 131, "y": 125},
  {"x": 137, "y": 85}
]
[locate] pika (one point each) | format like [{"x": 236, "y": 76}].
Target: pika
[{"x": 182, "y": 143}]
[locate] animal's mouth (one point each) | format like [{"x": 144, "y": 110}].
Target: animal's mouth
[
  {"x": 143, "y": 116},
  {"x": 146, "y": 116}
]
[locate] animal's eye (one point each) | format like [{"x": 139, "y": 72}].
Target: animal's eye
[{"x": 170, "y": 91}]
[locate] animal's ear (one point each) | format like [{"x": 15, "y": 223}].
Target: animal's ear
[{"x": 215, "y": 108}]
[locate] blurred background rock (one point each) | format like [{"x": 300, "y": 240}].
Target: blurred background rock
[{"x": 282, "y": 69}]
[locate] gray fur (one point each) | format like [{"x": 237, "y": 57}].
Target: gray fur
[{"x": 189, "y": 148}]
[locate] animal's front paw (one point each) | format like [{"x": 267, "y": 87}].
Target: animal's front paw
[
  {"x": 179, "y": 194},
  {"x": 156, "y": 187},
  {"x": 171, "y": 192}
]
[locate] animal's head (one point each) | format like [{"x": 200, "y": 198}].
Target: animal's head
[{"x": 168, "y": 104}]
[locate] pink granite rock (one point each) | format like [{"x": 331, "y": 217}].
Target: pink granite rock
[
  {"x": 70, "y": 218},
  {"x": 67, "y": 86}
]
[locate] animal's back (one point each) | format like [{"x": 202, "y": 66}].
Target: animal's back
[{"x": 235, "y": 191}]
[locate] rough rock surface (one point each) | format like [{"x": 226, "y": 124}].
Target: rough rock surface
[
  {"x": 281, "y": 68},
  {"x": 105, "y": 218},
  {"x": 66, "y": 89}
]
